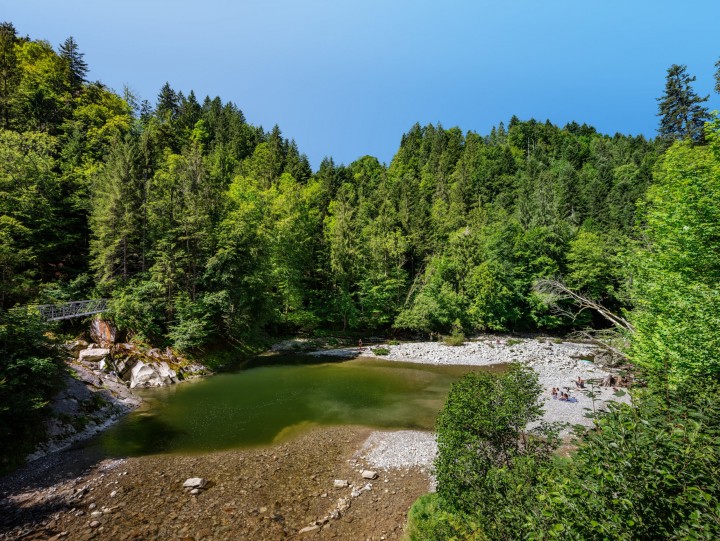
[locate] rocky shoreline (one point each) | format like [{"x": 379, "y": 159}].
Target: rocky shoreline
[
  {"x": 329, "y": 483},
  {"x": 98, "y": 389},
  {"x": 316, "y": 486},
  {"x": 557, "y": 362}
]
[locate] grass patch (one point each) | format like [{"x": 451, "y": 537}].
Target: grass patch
[
  {"x": 422, "y": 518},
  {"x": 381, "y": 351},
  {"x": 513, "y": 342},
  {"x": 454, "y": 339}
]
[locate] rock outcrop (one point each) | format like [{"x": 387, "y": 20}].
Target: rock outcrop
[
  {"x": 103, "y": 332},
  {"x": 152, "y": 375},
  {"x": 93, "y": 354}
]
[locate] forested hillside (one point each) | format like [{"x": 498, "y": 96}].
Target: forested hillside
[{"x": 202, "y": 228}]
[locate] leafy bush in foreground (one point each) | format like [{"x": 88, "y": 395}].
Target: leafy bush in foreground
[
  {"x": 488, "y": 463},
  {"x": 30, "y": 372},
  {"x": 647, "y": 471}
]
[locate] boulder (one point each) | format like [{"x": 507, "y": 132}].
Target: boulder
[
  {"x": 151, "y": 375},
  {"x": 103, "y": 332},
  {"x": 76, "y": 346},
  {"x": 93, "y": 354},
  {"x": 195, "y": 482}
]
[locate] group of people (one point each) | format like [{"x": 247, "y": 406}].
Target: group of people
[{"x": 557, "y": 394}]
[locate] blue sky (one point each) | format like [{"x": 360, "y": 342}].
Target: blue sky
[{"x": 348, "y": 78}]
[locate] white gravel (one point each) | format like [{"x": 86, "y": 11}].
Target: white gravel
[{"x": 558, "y": 364}]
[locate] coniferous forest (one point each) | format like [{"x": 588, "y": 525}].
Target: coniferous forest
[{"x": 206, "y": 232}]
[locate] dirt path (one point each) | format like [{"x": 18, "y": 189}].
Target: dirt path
[{"x": 259, "y": 494}]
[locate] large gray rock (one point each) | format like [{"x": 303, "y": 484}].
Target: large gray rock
[
  {"x": 195, "y": 482},
  {"x": 151, "y": 375},
  {"x": 93, "y": 354}
]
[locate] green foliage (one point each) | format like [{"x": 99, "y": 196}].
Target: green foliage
[
  {"x": 457, "y": 337},
  {"x": 381, "y": 351},
  {"x": 427, "y": 521},
  {"x": 681, "y": 114},
  {"x": 677, "y": 297},
  {"x": 488, "y": 462},
  {"x": 648, "y": 471},
  {"x": 30, "y": 373}
]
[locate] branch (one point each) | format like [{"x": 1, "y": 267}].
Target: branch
[{"x": 558, "y": 291}]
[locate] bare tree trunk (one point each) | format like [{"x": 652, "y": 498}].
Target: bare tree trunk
[{"x": 558, "y": 291}]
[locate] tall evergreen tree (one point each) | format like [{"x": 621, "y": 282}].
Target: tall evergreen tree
[
  {"x": 77, "y": 67},
  {"x": 9, "y": 72},
  {"x": 681, "y": 112}
]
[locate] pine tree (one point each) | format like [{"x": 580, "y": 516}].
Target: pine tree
[
  {"x": 681, "y": 113},
  {"x": 717, "y": 77},
  {"x": 168, "y": 103},
  {"x": 9, "y": 72},
  {"x": 77, "y": 67}
]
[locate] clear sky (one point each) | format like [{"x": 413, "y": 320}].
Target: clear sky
[{"x": 346, "y": 78}]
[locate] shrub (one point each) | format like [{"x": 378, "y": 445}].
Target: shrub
[
  {"x": 457, "y": 338},
  {"x": 649, "y": 471},
  {"x": 381, "y": 351},
  {"x": 488, "y": 463},
  {"x": 30, "y": 373}
]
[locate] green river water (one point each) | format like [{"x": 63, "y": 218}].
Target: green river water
[{"x": 262, "y": 405}]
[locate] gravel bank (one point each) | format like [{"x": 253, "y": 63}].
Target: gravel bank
[{"x": 557, "y": 363}]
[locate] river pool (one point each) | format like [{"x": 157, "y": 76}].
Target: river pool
[{"x": 267, "y": 404}]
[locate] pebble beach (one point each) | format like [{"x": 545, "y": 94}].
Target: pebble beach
[{"x": 557, "y": 363}]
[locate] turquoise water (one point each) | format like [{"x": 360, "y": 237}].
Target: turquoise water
[{"x": 263, "y": 405}]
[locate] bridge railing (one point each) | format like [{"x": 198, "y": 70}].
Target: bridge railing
[{"x": 69, "y": 310}]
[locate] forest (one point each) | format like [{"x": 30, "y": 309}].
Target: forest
[
  {"x": 206, "y": 232},
  {"x": 204, "y": 229}
]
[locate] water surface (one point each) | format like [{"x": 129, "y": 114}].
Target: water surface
[{"x": 263, "y": 405}]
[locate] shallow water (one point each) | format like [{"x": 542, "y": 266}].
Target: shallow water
[{"x": 259, "y": 406}]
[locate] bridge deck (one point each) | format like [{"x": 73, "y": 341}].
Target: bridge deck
[{"x": 69, "y": 310}]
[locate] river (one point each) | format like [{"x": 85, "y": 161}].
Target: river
[{"x": 269, "y": 404}]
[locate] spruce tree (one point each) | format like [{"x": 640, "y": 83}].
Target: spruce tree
[
  {"x": 682, "y": 115},
  {"x": 77, "y": 67},
  {"x": 9, "y": 73}
]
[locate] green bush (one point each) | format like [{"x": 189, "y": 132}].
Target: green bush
[
  {"x": 648, "y": 471},
  {"x": 488, "y": 464},
  {"x": 381, "y": 351},
  {"x": 30, "y": 373},
  {"x": 457, "y": 338}
]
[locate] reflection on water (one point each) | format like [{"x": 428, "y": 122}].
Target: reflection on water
[{"x": 267, "y": 404}]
